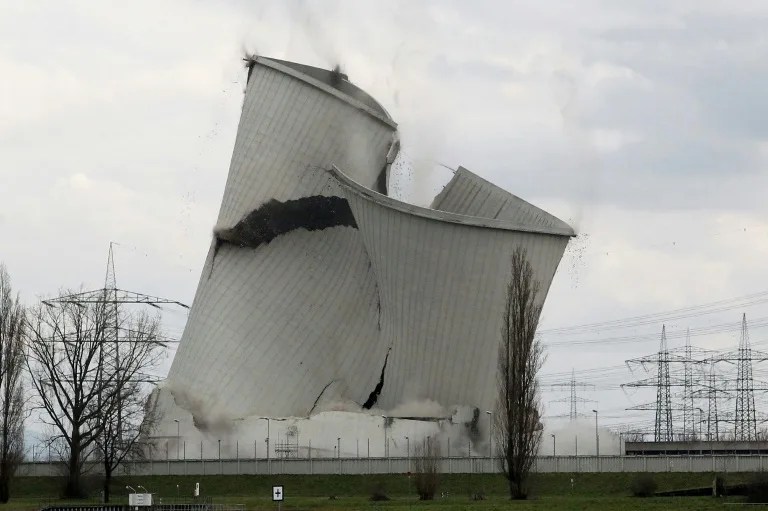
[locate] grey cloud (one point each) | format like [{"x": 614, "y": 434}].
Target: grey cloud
[
  {"x": 717, "y": 60},
  {"x": 442, "y": 67}
]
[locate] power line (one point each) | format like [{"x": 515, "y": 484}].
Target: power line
[
  {"x": 719, "y": 328},
  {"x": 666, "y": 316},
  {"x": 112, "y": 295}
]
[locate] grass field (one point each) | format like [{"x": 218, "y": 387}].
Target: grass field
[{"x": 548, "y": 491}]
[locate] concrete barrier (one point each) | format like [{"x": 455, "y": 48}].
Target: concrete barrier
[{"x": 401, "y": 465}]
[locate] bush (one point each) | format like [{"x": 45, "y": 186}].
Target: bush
[
  {"x": 719, "y": 486},
  {"x": 757, "y": 489},
  {"x": 643, "y": 485},
  {"x": 427, "y": 469},
  {"x": 378, "y": 493},
  {"x": 90, "y": 487}
]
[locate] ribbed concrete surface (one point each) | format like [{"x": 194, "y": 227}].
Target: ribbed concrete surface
[
  {"x": 469, "y": 194},
  {"x": 442, "y": 286},
  {"x": 291, "y": 121},
  {"x": 308, "y": 318},
  {"x": 270, "y": 328}
]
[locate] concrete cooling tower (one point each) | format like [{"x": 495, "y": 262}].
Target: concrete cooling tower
[{"x": 320, "y": 292}]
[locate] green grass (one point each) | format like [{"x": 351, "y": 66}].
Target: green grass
[
  {"x": 456, "y": 504},
  {"x": 351, "y": 492}
]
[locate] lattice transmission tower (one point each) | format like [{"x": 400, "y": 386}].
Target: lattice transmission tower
[
  {"x": 573, "y": 399},
  {"x": 114, "y": 297},
  {"x": 745, "y": 415},
  {"x": 745, "y": 420},
  {"x": 662, "y": 382},
  {"x": 662, "y": 429},
  {"x": 713, "y": 419}
]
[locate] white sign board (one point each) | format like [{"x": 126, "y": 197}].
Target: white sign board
[
  {"x": 140, "y": 499},
  {"x": 277, "y": 494}
]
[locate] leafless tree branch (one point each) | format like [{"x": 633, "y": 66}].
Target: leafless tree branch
[{"x": 84, "y": 369}]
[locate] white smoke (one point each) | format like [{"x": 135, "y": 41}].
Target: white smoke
[
  {"x": 578, "y": 437},
  {"x": 312, "y": 29},
  {"x": 582, "y": 148}
]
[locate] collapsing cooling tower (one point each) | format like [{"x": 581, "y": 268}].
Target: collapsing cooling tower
[{"x": 320, "y": 289}]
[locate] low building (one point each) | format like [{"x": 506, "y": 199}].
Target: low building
[{"x": 695, "y": 447}]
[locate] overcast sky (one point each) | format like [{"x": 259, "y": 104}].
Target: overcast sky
[{"x": 643, "y": 124}]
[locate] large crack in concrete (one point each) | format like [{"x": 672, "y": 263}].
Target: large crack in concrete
[
  {"x": 381, "y": 181},
  {"x": 275, "y": 218},
  {"x": 374, "y": 396},
  {"x": 317, "y": 400}
]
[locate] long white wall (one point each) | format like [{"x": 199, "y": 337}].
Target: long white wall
[{"x": 454, "y": 465}]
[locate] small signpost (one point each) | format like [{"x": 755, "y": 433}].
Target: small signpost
[{"x": 277, "y": 495}]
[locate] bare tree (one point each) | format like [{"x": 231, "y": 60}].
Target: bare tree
[
  {"x": 65, "y": 359},
  {"x": 634, "y": 436},
  {"x": 87, "y": 362},
  {"x": 133, "y": 414},
  {"x": 517, "y": 422},
  {"x": 426, "y": 467},
  {"x": 12, "y": 404}
]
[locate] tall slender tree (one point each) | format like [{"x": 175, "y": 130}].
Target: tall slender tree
[
  {"x": 518, "y": 428},
  {"x": 12, "y": 404}
]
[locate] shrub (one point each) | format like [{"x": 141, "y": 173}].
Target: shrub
[
  {"x": 378, "y": 493},
  {"x": 757, "y": 489},
  {"x": 719, "y": 486},
  {"x": 90, "y": 486},
  {"x": 427, "y": 469},
  {"x": 643, "y": 485}
]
